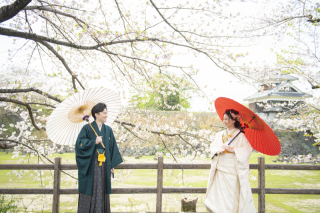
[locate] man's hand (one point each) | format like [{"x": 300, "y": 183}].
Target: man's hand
[
  {"x": 112, "y": 170},
  {"x": 99, "y": 139}
]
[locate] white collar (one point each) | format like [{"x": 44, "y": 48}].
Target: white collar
[{"x": 230, "y": 130}]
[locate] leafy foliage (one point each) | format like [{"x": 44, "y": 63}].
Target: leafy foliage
[
  {"x": 169, "y": 97},
  {"x": 8, "y": 206}
]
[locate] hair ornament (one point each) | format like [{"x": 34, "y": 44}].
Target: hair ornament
[{"x": 235, "y": 117}]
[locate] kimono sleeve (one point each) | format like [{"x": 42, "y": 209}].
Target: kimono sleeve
[
  {"x": 214, "y": 148},
  {"x": 84, "y": 150},
  {"x": 243, "y": 151},
  {"x": 116, "y": 158}
]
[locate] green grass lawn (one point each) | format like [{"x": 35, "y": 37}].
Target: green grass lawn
[{"x": 148, "y": 178}]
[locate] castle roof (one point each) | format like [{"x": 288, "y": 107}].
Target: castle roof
[
  {"x": 278, "y": 92},
  {"x": 283, "y": 77}
]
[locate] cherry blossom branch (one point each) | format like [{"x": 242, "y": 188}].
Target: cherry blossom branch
[
  {"x": 37, "y": 38},
  {"x": 27, "y": 105},
  {"x": 9, "y": 11},
  {"x": 33, "y": 149},
  {"x": 165, "y": 146},
  {"x": 314, "y": 20},
  {"x": 190, "y": 145},
  {"x": 29, "y": 147},
  {"x": 278, "y": 23},
  {"x": 59, "y": 6},
  {"x": 122, "y": 16},
  {"x": 134, "y": 134},
  {"x": 4, "y": 145},
  {"x": 161, "y": 132}
]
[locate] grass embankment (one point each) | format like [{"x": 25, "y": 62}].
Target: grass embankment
[{"x": 171, "y": 202}]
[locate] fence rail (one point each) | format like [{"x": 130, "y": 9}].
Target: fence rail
[{"x": 159, "y": 190}]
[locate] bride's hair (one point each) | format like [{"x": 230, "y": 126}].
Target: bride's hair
[{"x": 234, "y": 115}]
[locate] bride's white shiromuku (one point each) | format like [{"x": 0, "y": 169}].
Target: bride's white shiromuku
[{"x": 228, "y": 189}]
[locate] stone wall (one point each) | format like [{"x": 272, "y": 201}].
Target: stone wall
[{"x": 295, "y": 143}]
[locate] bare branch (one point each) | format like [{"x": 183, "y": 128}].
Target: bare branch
[
  {"x": 63, "y": 62},
  {"x": 165, "y": 20},
  {"x": 31, "y": 57},
  {"x": 32, "y": 89},
  {"x": 53, "y": 11}
]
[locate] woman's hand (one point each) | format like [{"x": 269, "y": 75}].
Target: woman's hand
[
  {"x": 227, "y": 147},
  {"x": 224, "y": 146},
  {"x": 220, "y": 151},
  {"x": 112, "y": 170}
]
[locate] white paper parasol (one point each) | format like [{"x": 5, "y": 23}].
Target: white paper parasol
[{"x": 66, "y": 121}]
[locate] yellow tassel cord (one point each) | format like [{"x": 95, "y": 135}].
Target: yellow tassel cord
[
  {"x": 225, "y": 137},
  {"x": 226, "y": 151},
  {"x": 101, "y": 158}
]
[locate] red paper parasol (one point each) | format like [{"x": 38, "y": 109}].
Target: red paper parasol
[{"x": 259, "y": 134}]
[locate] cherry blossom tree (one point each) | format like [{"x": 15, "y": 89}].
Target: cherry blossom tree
[
  {"x": 295, "y": 26},
  {"x": 142, "y": 45},
  {"x": 128, "y": 43}
]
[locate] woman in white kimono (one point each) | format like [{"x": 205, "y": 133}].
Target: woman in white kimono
[{"x": 228, "y": 189}]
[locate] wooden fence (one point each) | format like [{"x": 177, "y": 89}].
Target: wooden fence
[{"x": 159, "y": 190}]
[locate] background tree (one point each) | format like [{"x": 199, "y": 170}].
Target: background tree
[
  {"x": 169, "y": 97},
  {"x": 60, "y": 46},
  {"x": 294, "y": 25},
  {"x": 123, "y": 41}
]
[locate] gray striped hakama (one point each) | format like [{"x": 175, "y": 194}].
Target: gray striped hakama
[{"x": 99, "y": 201}]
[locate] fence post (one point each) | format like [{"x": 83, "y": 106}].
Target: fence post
[
  {"x": 159, "y": 185},
  {"x": 56, "y": 185},
  {"x": 261, "y": 186}
]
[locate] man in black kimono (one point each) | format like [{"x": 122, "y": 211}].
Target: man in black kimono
[{"x": 95, "y": 163}]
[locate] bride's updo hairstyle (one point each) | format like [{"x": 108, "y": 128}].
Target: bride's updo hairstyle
[{"x": 234, "y": 115}]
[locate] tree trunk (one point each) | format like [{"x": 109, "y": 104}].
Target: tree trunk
[{"x": 188, "y": 205}]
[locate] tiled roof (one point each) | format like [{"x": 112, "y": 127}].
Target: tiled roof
[
  {"x": 280, "y": 94},
  {"x": 282, "y": 77},
  {"x": 277, "y": 92}
]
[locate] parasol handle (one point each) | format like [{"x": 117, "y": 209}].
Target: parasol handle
[
  {"x": 234, "y": 138},
  {"x": 94, "y": 131},
  {"x": 86, "y": 117},
  {"x": 241, "y": 130},
  {"x": 252, "y": 119},
  {"x": 98, "y": 136}
]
